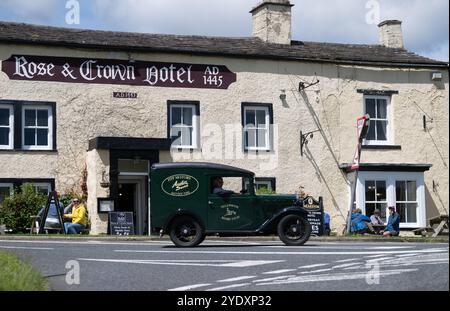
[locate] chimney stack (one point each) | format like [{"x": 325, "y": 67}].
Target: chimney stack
[
  {"x": 272, "y": 21},
  {"x": 390, "y": 34}
]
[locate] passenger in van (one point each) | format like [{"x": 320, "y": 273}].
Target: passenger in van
[{"x": 217, "y": 187}]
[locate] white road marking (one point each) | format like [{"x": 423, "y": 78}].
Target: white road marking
[
  {"x": 279, "y": 271},
  {"x": 346, "y": 265},
  {"x": 274, "y": 278},
  {"x": 347, "y": 260},
  {"x": 201, "y": 263},
  {"x": 25, "y": 247},
  {"x": 189, "y": 287},
  {"x": 333, "y": 277},
  {"x": 379, "y": 259},
  {"x": 239, "y": 278},
  {"x": 229, "y": 286},
  {"x": 366, "y": 247},
  {"x": 407, "y": 255},
  {"x": 314, "y": 266},
  {"x": 191, "y": 252},
  {"x": 316, "y": 271},
  {"x": 374, "y": 256},
  {"x": 250, "y": 263}
]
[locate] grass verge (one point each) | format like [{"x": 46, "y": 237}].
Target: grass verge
[{"x": 16, "y": 275}]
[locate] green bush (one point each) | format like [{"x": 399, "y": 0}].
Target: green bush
[
  {"x": 16, "y": 210},
  {"x": 265, "y": 190}
]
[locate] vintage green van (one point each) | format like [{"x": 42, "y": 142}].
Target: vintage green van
[{"x": 190, "y": 201}]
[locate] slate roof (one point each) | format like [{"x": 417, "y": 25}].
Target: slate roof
[{"x": 375, "y": 55}]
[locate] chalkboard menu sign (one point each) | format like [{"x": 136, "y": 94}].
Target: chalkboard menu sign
[
  {"x": 315, "y": 214},
  {"x": 121, "y": 223}
]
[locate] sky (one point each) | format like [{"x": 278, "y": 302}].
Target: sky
[{"x": 425, "y": 22}]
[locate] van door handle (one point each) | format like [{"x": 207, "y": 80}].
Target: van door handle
[{"x": 211, "y": 204}]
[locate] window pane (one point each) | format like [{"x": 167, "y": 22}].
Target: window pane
[
  {"x": 370, "y": 107},
  {"x": 4, "y": 136},
  {"x": 370, "y": 190},
  {"x": 261, "y": 138},
  {"x": 176, "y": 116},
  {"x": 381, "y": 109},
  {"x": 411, "y": 212},
  {"x": 412, "y": 190},
  {"x": 250, "y": 117},
  {"x": 42, "y": 189},
  {"x": 371, "y": 133},
  {"x": 42, "y": 137},
  {"x": 4, "y": 193},
  {"x": 30, "y": 139},
  {"x": 401, "y": 210},
  {"x": 175, "y": 135},
  {"x": 381, "y": 190},
  {"x": 381, "y": 130},
  {"x": 186, "y": 136},
  {"x": 250, "y": 139},
  {"x": 382, "y": 208},
  {"x": 260, "y": 118},
  {"x": 187, "y": 116},
  {"x": 42, "y": 117},
  {"x": 370, "y": 207},
  {"x": 30, "y": 117},
  {"x": 400, "y": 191},
  {"x": 4, "y": 117}
]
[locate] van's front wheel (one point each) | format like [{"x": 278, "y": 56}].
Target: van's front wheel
[
  {"x": 294, "y": 230},
  {"x": 185, "y": 231}
]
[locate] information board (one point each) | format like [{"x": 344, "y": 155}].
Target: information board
[
  {"x": 121, "y": 223},
  {"x": 315, "y": 215}
]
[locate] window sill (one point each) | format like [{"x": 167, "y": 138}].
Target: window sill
[
  {"x": 27, "y": 151},
  {"x": 381, "y": 147}
]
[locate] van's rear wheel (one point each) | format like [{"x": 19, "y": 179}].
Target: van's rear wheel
[
  {"x": 185, "y": 231},
  {"x": 294, "y": 230}
]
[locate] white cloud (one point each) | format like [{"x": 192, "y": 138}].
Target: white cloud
[
  {"x": 35, "y": 11},
  {"x": 425, "y": 22}
]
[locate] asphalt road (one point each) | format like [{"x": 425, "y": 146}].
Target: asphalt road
[{"x": 236, "y": 266}]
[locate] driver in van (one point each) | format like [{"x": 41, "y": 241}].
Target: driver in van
[{"x": 218, "y": 187}]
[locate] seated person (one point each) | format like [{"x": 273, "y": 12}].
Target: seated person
[
  {"x": 78, "y": 216},
  {"x": 52, "y": 220},
  {"x": 393, "y": 225},
  {"x": 375, "y": 219},
  {"x": 217, "y": 185},
  {"x": 360, "y": 223}
]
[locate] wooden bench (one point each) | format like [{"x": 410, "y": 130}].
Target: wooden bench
[{"x": 441, "y": 223}]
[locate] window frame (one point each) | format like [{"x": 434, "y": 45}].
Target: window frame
[
  {"x": 17, "y": 141},
  {"x": 48, "y": 185},
  {"x": 268, "y": 109},
  {"x": 391, "y": 178},
  {"x": 11, "y": 127},
  {"x": 49, "y": 126},
  {"x": 9, "y": 185},
  {"x": 389, "y": 139},
  {"x": 195, "y": 106}
]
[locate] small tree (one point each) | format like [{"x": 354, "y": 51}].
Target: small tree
[{"x": 16, "y": 210}]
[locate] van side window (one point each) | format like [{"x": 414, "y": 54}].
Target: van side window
[{"x": 226, "y": 185}]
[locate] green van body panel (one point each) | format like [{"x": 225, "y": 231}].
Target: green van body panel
[{"x": 185, "y": 189}]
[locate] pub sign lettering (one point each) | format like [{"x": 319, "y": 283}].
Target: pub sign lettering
[{"x": 122, "y": 72}]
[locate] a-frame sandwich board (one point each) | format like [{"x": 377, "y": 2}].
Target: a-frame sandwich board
[{"x": 52, "y": 196}]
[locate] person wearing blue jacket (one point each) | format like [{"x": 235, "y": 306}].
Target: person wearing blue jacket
[
  {"x": 393, "y": 225},
  {"x": 360, "y": 223}
]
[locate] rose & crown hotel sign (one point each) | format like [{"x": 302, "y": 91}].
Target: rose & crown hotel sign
[{"x": 122, "y": 72}]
